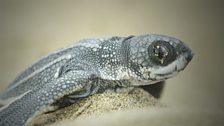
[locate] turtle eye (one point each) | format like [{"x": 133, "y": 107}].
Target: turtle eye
[{"x": 161, "y": 52}]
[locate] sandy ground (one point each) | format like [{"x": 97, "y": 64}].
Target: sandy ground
[
  {"x": 99, "y": 104},
  {"x": 152, "y": 117},
  {"x": 128, "y": 109}
]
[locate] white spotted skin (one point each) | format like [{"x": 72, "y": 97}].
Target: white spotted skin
[{"x": 90, "y": 66}]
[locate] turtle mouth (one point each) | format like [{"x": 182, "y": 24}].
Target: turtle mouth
[
  {"x": 170, "y": 70},
  {"x": 169, "y": 73}
]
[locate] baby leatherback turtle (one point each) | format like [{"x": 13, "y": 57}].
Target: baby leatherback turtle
[{"x": 88, "y": 67}]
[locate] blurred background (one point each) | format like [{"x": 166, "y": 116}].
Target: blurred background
[{"x": 31, "y": 29}]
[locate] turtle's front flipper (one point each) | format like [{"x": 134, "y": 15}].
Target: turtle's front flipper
[
  {"x": 37, "y": 101},
  {"x": 19, "y": 110}
]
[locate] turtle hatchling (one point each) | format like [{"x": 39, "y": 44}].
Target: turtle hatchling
[{"x": 88, "y": 67}]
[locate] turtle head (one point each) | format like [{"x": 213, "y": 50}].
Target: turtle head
[{"x": 154, "y": 58}]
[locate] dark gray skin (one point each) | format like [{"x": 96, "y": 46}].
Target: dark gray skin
[{"x": 89, "y": 67}]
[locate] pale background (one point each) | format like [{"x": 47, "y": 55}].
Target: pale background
[{"x": 31, "y": 29}]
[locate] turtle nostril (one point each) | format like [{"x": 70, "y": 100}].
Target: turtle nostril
[
  {"x": 185, "y": 49},
  {"x": 187, "y": 52},
  {"x": 189, "y": 57}
]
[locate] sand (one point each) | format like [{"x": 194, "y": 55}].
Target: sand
[{"x": 99, "y": 104}]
